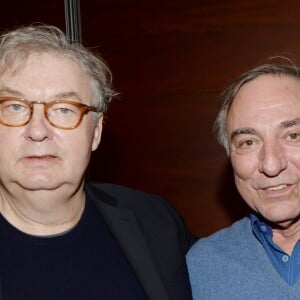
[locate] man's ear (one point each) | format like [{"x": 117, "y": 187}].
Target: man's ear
[{"x": 97, "y": 133}]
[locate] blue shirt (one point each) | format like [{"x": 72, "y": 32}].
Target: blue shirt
[{"x": 287, "y": 266}]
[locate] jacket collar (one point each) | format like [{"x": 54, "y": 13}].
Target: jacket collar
[{"x": 126, "y": 230}]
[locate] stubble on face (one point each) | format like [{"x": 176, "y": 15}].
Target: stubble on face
[
  {"x": 268, "y": 176},
  {"x": 39, "y": 156}
]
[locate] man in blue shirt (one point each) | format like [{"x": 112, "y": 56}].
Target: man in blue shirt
[{"x": 257, "y": 257}]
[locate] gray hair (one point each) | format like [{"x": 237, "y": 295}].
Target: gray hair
[
  {"x": 229, "y": 94},
  {"x": 16, "y": 46}
]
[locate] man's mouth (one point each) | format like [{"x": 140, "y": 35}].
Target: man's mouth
[
  {"x": 46, "y": 156},
  {"x": 277, "y": 187},
  {"x": 40, "y": 158}
]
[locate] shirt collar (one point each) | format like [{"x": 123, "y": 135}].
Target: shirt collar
[{"x": 260, "y": 228}]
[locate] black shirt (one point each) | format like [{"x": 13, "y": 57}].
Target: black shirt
[{"x": 84, "y": 263}]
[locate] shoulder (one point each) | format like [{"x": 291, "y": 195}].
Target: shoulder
[
  {"x": 147, "y": 207},
  {"x": 125, "y": 197},
  {"x": 231, "y": 264},
  {"x": 153, "y": 213},
  {"x": 119, "y": 191},
  {"x": 224, "y": 242}
]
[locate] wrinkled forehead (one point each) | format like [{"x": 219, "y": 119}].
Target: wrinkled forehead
[
  {"x": 46, "y": 76},
  {"x": 267, "y": 98},
  {"x": 45, "y": 62},
  {"x": 14, "y": 61},
  {"x": 266, "y": 91}
]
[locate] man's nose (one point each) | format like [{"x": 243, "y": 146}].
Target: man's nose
[
  {"x": 38, "y": 128},
  {"x": 272, "y": 160}
]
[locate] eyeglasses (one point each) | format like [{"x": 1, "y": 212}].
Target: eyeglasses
[{"x": 63, "y": 114}]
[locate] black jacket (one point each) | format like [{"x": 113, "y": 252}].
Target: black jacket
[{"x": 152, "y": 236}]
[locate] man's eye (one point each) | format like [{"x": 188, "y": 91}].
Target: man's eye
[
  {"x": 64, "y": 111},
  {"x": 15, "y": 107},
  {"x": 245, "y": 144},
  {"x": 294, "y": 136}
]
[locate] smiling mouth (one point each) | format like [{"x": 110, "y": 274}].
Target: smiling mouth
[{"x": 277, "y": 187}]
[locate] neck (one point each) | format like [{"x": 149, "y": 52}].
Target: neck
[
  {"x": 286, "y": 237},
  {"x": 43, "y": 212}
]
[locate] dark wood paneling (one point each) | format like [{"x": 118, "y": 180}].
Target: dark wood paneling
[{"x": 170, "y": 61}]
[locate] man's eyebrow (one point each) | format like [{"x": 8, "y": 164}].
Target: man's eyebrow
[
  {"x": 290, "y": 123},
  {"x": 7, "y": 90},
  {"x": 242, "y": 131},
  {"x": 284, "y": 124},
  {"x": 64, "y": 95}
]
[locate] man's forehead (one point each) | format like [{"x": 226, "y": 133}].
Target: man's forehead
[
  {"x": 43, "y": 75},
  {"x": 268, "y": 82},
  {"x": 264, "y": 93},
  {"x": 15, "y": 61},
  {"x": 18, "y": 61}
]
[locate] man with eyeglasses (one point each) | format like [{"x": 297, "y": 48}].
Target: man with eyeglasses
[
  {"x": 60, "y": 237},
  {"x": 258, "y": 257}
]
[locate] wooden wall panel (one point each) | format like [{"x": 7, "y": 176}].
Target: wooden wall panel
[{"x": 170, "y": 60}]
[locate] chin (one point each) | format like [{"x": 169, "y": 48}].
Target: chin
[
  {"x": 281, "y": 217},
  {"x": 39, "y": 184}
]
